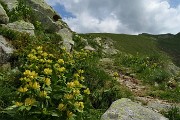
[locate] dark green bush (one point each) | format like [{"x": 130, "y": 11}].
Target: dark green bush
[{"x": 173, "y": 113}]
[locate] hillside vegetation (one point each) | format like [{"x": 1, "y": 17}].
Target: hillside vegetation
[{"x": 57, "y": 74}]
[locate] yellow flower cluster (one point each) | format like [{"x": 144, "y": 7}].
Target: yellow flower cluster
[
  {"x": 61, "y": 107},
  {"x": 47, "y": 81},
  {"x": 43, "y": 94},
  {"x": 32, "y": 57},
  {"x": 87, "y": 91},
  {"x": 69, "y": 114},
  {"x": 18, "y": 104},
  {"x": 47, "y": 71},
  {"x": 45, "y": 74},
  {"x": 30, "y": 101},
  {"x": 61, "y": 69},
  {"x": 30, "y": 74},
  {"x": 34, "y": 85},
  {"x": 22, "y": 89},
  {"x": 68, "y": 96},
  {"x": 60, "y": 61},
  {"x": 79, "y": 105}
]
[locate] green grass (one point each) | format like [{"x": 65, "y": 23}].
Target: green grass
[
  {"x": 146, "y": 56},
  {"x": 131, "y": 44},
  {"x": 170, "y": 45}
]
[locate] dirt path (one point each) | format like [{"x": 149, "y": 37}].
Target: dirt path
[{"x": 140, "y": 92}]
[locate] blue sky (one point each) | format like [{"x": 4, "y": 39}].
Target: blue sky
[
  {"x": 120, "y": 16},
  {"x": 174, "y": 3},
  {"x": 62, "y": 11}
]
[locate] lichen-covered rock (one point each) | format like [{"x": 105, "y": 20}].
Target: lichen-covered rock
[
  {"x": 45, "y": 14},
  {"x": 88, "y": 47},
  {"x": 98, "y": 40},
  {"x": 125, "y": 109},
  {"x": 21, "y": 26},
  {"x": 4, "y": 19},
  {"x": 10, "y": 3},
  {"x": 51, "y": 21},
  {"x": 6, "y": 50},
  {"x": 66, "y": 35}
]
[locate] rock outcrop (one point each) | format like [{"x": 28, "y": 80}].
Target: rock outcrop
[
  {"x": 6, "y": 50},
  {"x": 4, "y": 19},
  {"x": 51, "y": 21},
  {"x": 11, "y": 4},
  {"x": 66, "y": 35},
  {"x": 125, "y": 109},
  {"x": 21, "y": 26},
  {"x": 44, "y": 14}
]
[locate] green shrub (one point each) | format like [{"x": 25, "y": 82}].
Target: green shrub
[
  {"x": 148, "y": 68},
  {"x": 173, "y": 114},
  {"x": 21, "y": 12},
  {"x": 50, "y": 86}
]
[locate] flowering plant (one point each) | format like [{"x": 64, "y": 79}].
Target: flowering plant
[{"x": 52, "y": 85}]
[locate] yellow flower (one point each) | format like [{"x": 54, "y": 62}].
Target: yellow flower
[
  {"x": 76, "y": 92},
  {"x": 47, "y": 81},
  {"x": 18, "y": 104},
  {"x": 39, "y": 48},
  {"x": 61, "y": 107},
  {"x": 27, "y": 72},
  {"x": 40, "y": 51},
  {"x": 44, "y": 54},
  {"x": 33, "y": 75},
  {"x": 76, "y": 82},
  {"x": 30, "y": 101},
  {"x": 61, "y": 69},
  {"x": 43, "y": 94},
  {"x": 87, "y": 91},
  {"x": 47, "y": 71},
  {"x": 81, "y": 78},
  {"x": 25, "y": 79},
  {"x": 49, "y": 61},
  {"x": 23, "y": 90},
  {"x": 51, "y": 55},
  {"x": 79, "y": 105},
  {"x": 30, "y": 74},
  {"x": 76, "y": 75},
  {"x": 33, "y": 51},
  {"x": 32, "y": 57},
  {"x": 80, "y": 71},
  {"x": 68, "y": 96},
  {"x": 70, "y": 84},
  {"x": 56, "y": 65},
  {"x": 69, "y": 114},
  {"x": 115, "y": 74},
  {"x": 63, "y": 48},
  {"x": 61, "y": 61},
  {"x": 35, "y": 85},
  {"x": 42, "y": 60}
]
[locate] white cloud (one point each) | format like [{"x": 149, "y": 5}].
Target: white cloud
[{"x": 121, "y": 16}]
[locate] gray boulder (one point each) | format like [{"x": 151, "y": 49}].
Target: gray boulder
[
  {"x": 6, "y": 50},
  {"x": 45, "y": 14},
  {"x": 21, "y": 26},
  {"x": 10, "y": 3},
  {"x": 66, "y": 35},
  {"x": 4, "y": 19},
  {"x": 125, "y": 109},
  {"x": 51, "y": 21}
]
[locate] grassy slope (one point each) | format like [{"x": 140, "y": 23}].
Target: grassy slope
[
  {"x": 146, "y": 44},
  {"x": 170, "y": 45}
]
